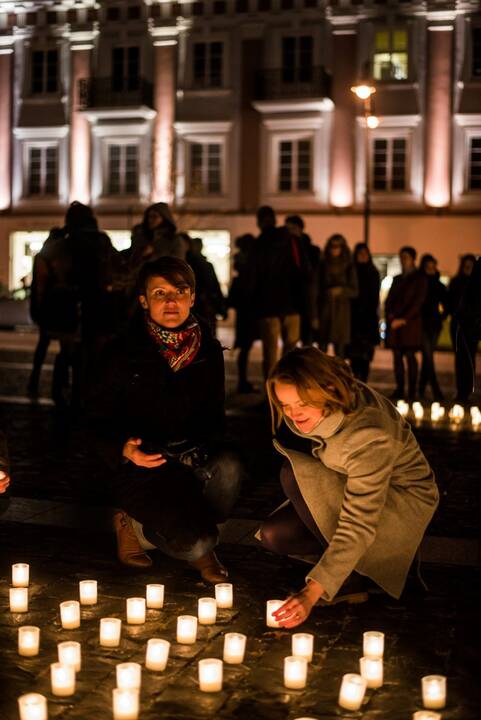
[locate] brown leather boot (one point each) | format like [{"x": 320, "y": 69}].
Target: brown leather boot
[
  {"x": 129, "y": 550},
  {"x": 210, "y": 568}
]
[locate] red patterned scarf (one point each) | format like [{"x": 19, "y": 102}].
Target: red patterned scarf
[{"x": 178, "y": 346}]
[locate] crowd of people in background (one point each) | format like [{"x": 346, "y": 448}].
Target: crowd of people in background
[{"x": 285, "y": 289}]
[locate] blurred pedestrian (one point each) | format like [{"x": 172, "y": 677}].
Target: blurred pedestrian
[
  {"x": 246, "y": 330},
  {"x": 155, "y": 236},
  {"x": 433, "y": 311},
  {"x": 404, "y": 333},
  {"x": 310, "y": 313},
  {"x": 209, "y": 298},
  {"x": 464, "y": 346},
  {"x": 4, "y": 473},
  {"x": 468, "y": 334},
  {"x": 338, "y": 286},
  {"x": 364, "y": 313}
]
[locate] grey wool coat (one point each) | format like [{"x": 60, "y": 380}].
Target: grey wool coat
[{"x": 370, "y": 491}]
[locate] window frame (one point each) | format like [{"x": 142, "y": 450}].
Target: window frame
[
  {"x": 121, "y": 141},
  {"x": 42, "y": 145},
  {"x": 29, "y": 85},
  {"x": 390, "y": 139},
  {"x": 295, "y": 190},
  {"x": 391, "y": 30},
  {"x": 205, "y": 143},
  {"x": 205, "y": 82}
]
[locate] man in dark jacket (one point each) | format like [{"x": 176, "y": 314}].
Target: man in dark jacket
[{"x": 404, "y": 320}]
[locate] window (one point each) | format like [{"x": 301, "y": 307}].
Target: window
[
  {"x": 391, "y": 55},
  {"x": 206, "y": 169},
  {"x": 297, "y": 59},
  {"x": 42, "y": 171},
  {"x": 133, "y": 12},
  {"x": 476, "y": 52},
  {"x": 113, "y": 14},
  {"x": 207, "y": 70},
  {"x": 294, "y": 166},
  {"x": 125, "y": 68},
  {"x": 474, "y": 179},
  {"x": 44, "y": 77},
  {"x": 123, "y": 166},
  {"x": 51, "y": 18},
  {"x": 389, "y": 165}
]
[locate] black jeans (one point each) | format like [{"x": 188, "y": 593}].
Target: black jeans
[
  {"x": 412, "y": 363},
  {"x": 179, "y": 507},
  {"x": 428, "y": 373},
  {"x": 465, "y": 348}
]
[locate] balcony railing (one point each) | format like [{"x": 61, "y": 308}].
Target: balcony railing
[
  {"x": 110, "y": 93},
  {"x": 290, "y": 83}
]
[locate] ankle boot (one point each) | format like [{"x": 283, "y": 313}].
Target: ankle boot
[
  {"x": 129, "y": 550},
  {"x": 211, "y": 570}
]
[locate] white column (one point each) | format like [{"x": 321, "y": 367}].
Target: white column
[
  {"x": 80, "y": 144},
  {"x": 6, "y": 56}
]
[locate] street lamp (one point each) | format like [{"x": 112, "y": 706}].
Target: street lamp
[{"x": 364, "y": 92}]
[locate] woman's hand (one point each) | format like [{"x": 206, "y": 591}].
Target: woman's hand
[
  {"x": 298, "y": 607},
  {"x": 132, "y": 452},
  {"x": 4, "y": 481}
]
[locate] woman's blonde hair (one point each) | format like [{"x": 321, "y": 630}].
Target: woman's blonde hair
[{"x": 321, "y": 381}]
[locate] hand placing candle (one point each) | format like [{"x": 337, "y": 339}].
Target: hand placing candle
[
  {"x": 20, "y": 575},
  {"x": 297, "y": 608},
  {"x": 32, "y": 706},
  {"x": 28, "y": 640}
]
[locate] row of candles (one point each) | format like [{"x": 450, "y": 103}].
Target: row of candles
[
  {"x": 33, "y": 706},
  {"x": 456, "y": 414}
]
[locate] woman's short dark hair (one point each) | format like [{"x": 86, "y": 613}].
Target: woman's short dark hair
[{"x": 176, "y": 271}]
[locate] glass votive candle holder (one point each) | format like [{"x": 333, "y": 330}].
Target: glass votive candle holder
[
  {"x": 434, "y": 691},
  {"x": 62, "y": 678},
  {"x": 155, "y": 596},
  {"x": 28, "y": 640},
  {"x": 70, "y": 653},
  {"x": 18, "y": 599},
  {"x": 186, "y": 629},
  {"x": 303, "y": 645},
  {"x": 402, "y": 407},
  {"x": 210, "y": 675},
  {"x": 372, "y": 671},
  {"x": 207, "y": 611},
  {"x": 125, "y": 704},
  {"x": 234, "y": 648},
  {"x": 426, "y": 715},
  {"x": 272, "y": 606},
  {"x": 129, "y": 676},
  {"x": 32, "y": 706},
  {"x": 351, "y": 694},
  {"x": 157, "y": 654},
  {"x": 110, "y": 629},
  {"x": 20, "y": 575},
  {"x": 136, "y": 611},
  {"x": 373, "y": 644},
  {"x": 418, "y": 410},
  {"x": 224, "y": 595},
  {"x": 70, "y": 614},
  {"x": 88, "y": 592},
  {"x": 456, "y": 413},
  {"x": 295, "y": 672}
]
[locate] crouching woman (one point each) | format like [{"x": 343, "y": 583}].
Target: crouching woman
[
  {"x": 362, "y": 495},
  {"x": 157, "y": 414}
]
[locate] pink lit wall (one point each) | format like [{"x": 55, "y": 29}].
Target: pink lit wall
[
  {"x": 164, "y": 103},
  {"x": 438, "y": 118},
  {"x": 79, "y": 132},
  {"x": 5, "y": 127}
]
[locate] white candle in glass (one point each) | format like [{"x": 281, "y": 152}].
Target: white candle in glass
[
  {"x": 125, "y": 704},
  {"x": 70, "y": 614},
  {"x": 372, "y": 671},
  {"x": 18, "y": 599},
  {"x": 234, "y": 648},
  {"x": 32, "y": 706},
  {"x": 272, "y": 606},
  {"x": 418, "y": 410},
  {"x": 186, "y": 629},
  {"x": 434, "y": 691},
  {"x": 224, "y": 595},
  {"x": 456, "y": 413},
  {"x": 155, "y": 596},
  {"x": 157, "y": 654},
  {"x": 210, "y": 675},
  {"x": 110, "y": 629},
  {"x": 88, "y": 592},
  {"x": 70, "y": 653},
  {"x": 303, "y": 645},
  {"x": 129, "y": 676},
  {"x": 28, "y": 640},
  {"x": 295, "y": 672},
  {"x": 352, "y": 691},
  {"x": 426, "y": 715},
  {"x": 402, "y": 407},
  {"x": 207, "y": 611},
  {"x": 475, "y": 416},
  {"x": 20, "y": 574},
  {"x": 135, "y": 611},
  {"x": 62, "y": 678},
  {"x": 373, "y": 644}
]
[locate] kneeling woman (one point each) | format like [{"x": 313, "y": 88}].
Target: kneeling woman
[
  {"x": 363, "y": 493},
  {"x": 158, "y": 413}
]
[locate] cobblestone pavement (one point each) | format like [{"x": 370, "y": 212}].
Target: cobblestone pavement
[{"x": 54, "y": 525}]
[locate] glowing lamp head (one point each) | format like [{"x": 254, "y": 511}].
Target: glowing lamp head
[
  {"x": 363, "y": 92},
  {"x": 372, "y": 122}
]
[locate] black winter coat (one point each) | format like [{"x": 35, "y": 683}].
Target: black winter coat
[
  {"x": 365, "y": 308},
  {"x": 436, "y": 298}
]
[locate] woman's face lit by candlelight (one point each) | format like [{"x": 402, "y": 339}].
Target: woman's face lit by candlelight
[{"x": 304, "y": 416}]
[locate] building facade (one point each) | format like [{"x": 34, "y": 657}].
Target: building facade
[{"x": 220, "y": 106}]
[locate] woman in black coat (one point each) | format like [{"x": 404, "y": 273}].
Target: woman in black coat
[
  {"x": 364, "y": 313},
  {"x": 433, "y": 312},
  {"x": 158, "y": 415}
]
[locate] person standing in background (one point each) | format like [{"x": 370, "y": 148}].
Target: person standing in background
[
  {"x": 433, "y": 311},
  {"x": 464, "y": 347},
  {"x": 310, "y": 314},
  {"x": 245, "y": 322},
  {"x": 364, "y": 314}
]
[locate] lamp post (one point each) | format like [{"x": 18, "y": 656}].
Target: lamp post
[{"x": 364, "y": 92}]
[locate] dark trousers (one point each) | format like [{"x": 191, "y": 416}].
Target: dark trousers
[
  {"x": 179, "y": 507},
  {"x": 412, "y": 366},
  {"x": 427, "y": 375},
  {"x": 465, "y": 348}
]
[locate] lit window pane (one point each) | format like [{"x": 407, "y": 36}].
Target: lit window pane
[
  {"x": 382, "y": 41},
  {"x": 399, "y": 40}
]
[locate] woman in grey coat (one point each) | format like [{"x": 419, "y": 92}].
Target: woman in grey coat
[{"x": 363, "y": 494}]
